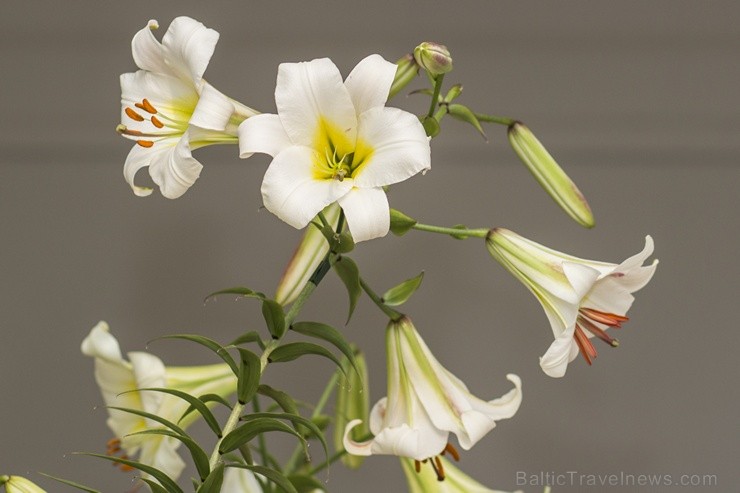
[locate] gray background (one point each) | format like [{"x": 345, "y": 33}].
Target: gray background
[{"x": 637, "y": 100}]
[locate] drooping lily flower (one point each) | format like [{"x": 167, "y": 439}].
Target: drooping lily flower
[
  {"x": 116, "y": 375},
  {"x": 426, "y": 403},
  {"x": 170, "y": 110},
  {"x": 427, "y": 479},
  {"x": 335, "y": 141},
  {"x": 18, "y": 484},
  {"x": 582, "y": 298}
]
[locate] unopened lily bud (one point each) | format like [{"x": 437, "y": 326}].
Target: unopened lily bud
[
  {"x": 550, "y": 175},
  {"x": 17, "y": 484},
  {"x": 434, "y": 58},
  {"x": 353, "y": 402},
  {"x": 407, "y": 71}
]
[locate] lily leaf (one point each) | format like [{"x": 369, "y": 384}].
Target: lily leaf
[
  {"x": 272, "y": 311},
  {"x": 297, "y": 421},
  {"x": 328, "y": 334},
  {"x": 151, "y": 416},
  {"x": 72, "y": 483},
  {"x": 208, "y": 343},
  {"x": 239, "y": 291},
  {"x": 348, "y": 272},
  {"x": 252, "y": 336},
  {"x": 401, "y": 223},
  {"x": 464, "y": 114},
  {"x": 295, "y": 350},
  {"x": 156, "y": 487},
  {"x": 400, "y": 294},
  {"x": 274, "y": 476},
  {"x": 163, "y": 479},
  {"x": 200, "y": 459},
  {"x": 248, "y": 431},
  {"x": 306, "y": 484},
  {"x": 193, "y": 401},
  {"x": 214, "y": 480},
  {"x": 282, "y": 399},
  {"x": 249, "y": 375}
]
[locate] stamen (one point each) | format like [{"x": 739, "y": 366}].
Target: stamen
[
  {"x": 134, "y": 115},
  {"x": 453, "y": 452},
  {"x": 438, "y": 469},
  {"x": 417, "y": 466},
  {"x": 587, "y": 349},
  {"x": 146, "y": 106},
  {"x": 610, "y": 319},
  {"x": 598, "y": 332},
  {"x": 156, "y": 122},
  {"x": 145, "y": 143}
]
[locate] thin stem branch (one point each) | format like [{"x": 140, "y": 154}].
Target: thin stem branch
[
  {"x": 392, "y": 314},
  {"x": 435, "y": 96},
  {"x": 456, "y": 232},
  {"x": 501, "y": 120}
]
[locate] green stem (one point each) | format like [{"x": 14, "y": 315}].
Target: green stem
[
  {"x": 501, "y": 120},
  {"x": 228, "y": 428},
  {"x": 456, "y": 232},
  {"x": 435, "y": 96},
  {"x": 392, "y": 314}
]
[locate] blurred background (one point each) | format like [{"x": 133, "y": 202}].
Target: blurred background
[{"x": 638, "y": 101}]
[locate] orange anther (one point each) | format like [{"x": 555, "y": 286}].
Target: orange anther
[
  {"x": 145, "y": 143},
  {"x": 134, "y": 115},
  {"x": 147, "y": 106},
  {"x": 156, "y": 122}
]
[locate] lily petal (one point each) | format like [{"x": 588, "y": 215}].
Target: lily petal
[
  {"x": 311, "y": 94},
  {"x": 367, "y": 213},
  {"x": 189, "y": 47},
  {"x": 147, "y": 50},
  {"x": 400, "y": 147},
  {"x": 555, "y": 360},
  {"x": 213, "y": 110},
  {"x": 262, "y": 133},
  {"x": 370, "y": 82},
  {"x": 291, "y": 191}
]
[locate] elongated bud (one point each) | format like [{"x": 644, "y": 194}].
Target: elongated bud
[
  {"x": 309, "y": 254},
  {"x": 407, "y": 71},
  {"x": 434, "y": 58},
  {"x": 17, "y": 484},
  {"x": 353, "y": 402},
  {"x": 550, "y": 175}
]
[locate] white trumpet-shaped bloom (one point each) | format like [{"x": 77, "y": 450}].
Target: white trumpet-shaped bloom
[
  {"x": 169, "y": 109},
  {"x": 335, "y": 141},
  {"x": 424, "y": 479},
  {"x": 116, "y": 377},
  {"x": 582, "y": 298},
  {"x": 426, "y": 403}
]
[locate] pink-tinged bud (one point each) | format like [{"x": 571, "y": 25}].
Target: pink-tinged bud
[{"x": 434, "y": 58}]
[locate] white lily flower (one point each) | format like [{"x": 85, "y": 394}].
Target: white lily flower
[
  {"x": 582, "y": 298},
  {"x": 116, "y": 375},
  {"x": 170, "y": 110},
  {"x": 426, "y": 403},
  {"x": 335, "y": 141},
  {"x": 427, "y": 479},
  {"x": 18, "y": 484}
]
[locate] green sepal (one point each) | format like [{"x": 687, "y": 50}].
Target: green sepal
[
  {"x": 214, "y": 481},
  {"x": 401, "y": 223},
  {"x": 279, "y": 479},
  {"x": 348, "y": 272},
  {"x": 431, "y": 126},
  {"x": 248, "y": 431},
  {"x": 295, "y": 350},
  {"x": 272, "y": 311},
  {"x": 193, "y": 401},
  {"x": 400, "y": 294},
  {"x": 68, "y": 483},
  {"x": 200, "y": 459},
  {"x": 167, "y": 482},
  {"x": 237, "y": 290},
  {"x": 465, "y": 114},
  {"x": 217, "y": 348},
  {"x": 328, "y": 334},
  {"x": 250, "y": 371},
  {"x": 306, "y": 484}
]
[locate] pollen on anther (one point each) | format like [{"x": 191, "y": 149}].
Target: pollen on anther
[
  {"x": 145, "y": 143},
  {"x": 147, "y": 106},
  {"x": 156, "y": 122},
  {"x": 417, "y": 466},
  {"x": 134, "y": 115}
]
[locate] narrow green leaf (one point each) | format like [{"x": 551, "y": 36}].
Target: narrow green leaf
[
  {"x": 252, "y": 336},
  {"x": 295, "y": 350},
  {"x": 306, "y": 484},
  {"x": 156, "y": 487},
  {"x": 431, "y": 126},
  {"x": 163, "y": 479},
  {"x": 249, "y": 375},
  {"x": 328, "y": 334},
  {"x": 464, "y": 114},
  {"x": 453, "y": 93},
  {"x": 246, "y": 432},
  {"x": 200, "y": 459},
  {"x": 213, "y": 482},
  {"x": 274, "y": 476},
  {"x": 350, "y": 275},
  {"x": 239, "y": 291},
  {"x": 207, "y": 399},
  {"x": 272, "y": 311},
  {"x": 208, "y": 343},
  {"x": 401, "y": 223},
  {"x": 72, "y": 483},
  {"x": 193, "y": 401},
  {"x": 151, "y": 416},
  {"x": 282, "y": 399},
  {"x": 400, "y": 294},
  {"x": 297, "y": 421}
]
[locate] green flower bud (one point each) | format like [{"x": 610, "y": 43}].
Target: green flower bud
[
  {"x": 407, "y": 71},
  {"x": 17, "y": 484},
  {"x": 550, "y": 175},
  {"x": 434, "y": 58}
]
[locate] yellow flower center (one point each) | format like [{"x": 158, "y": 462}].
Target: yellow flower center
[{"x": 338, "y": 157}]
